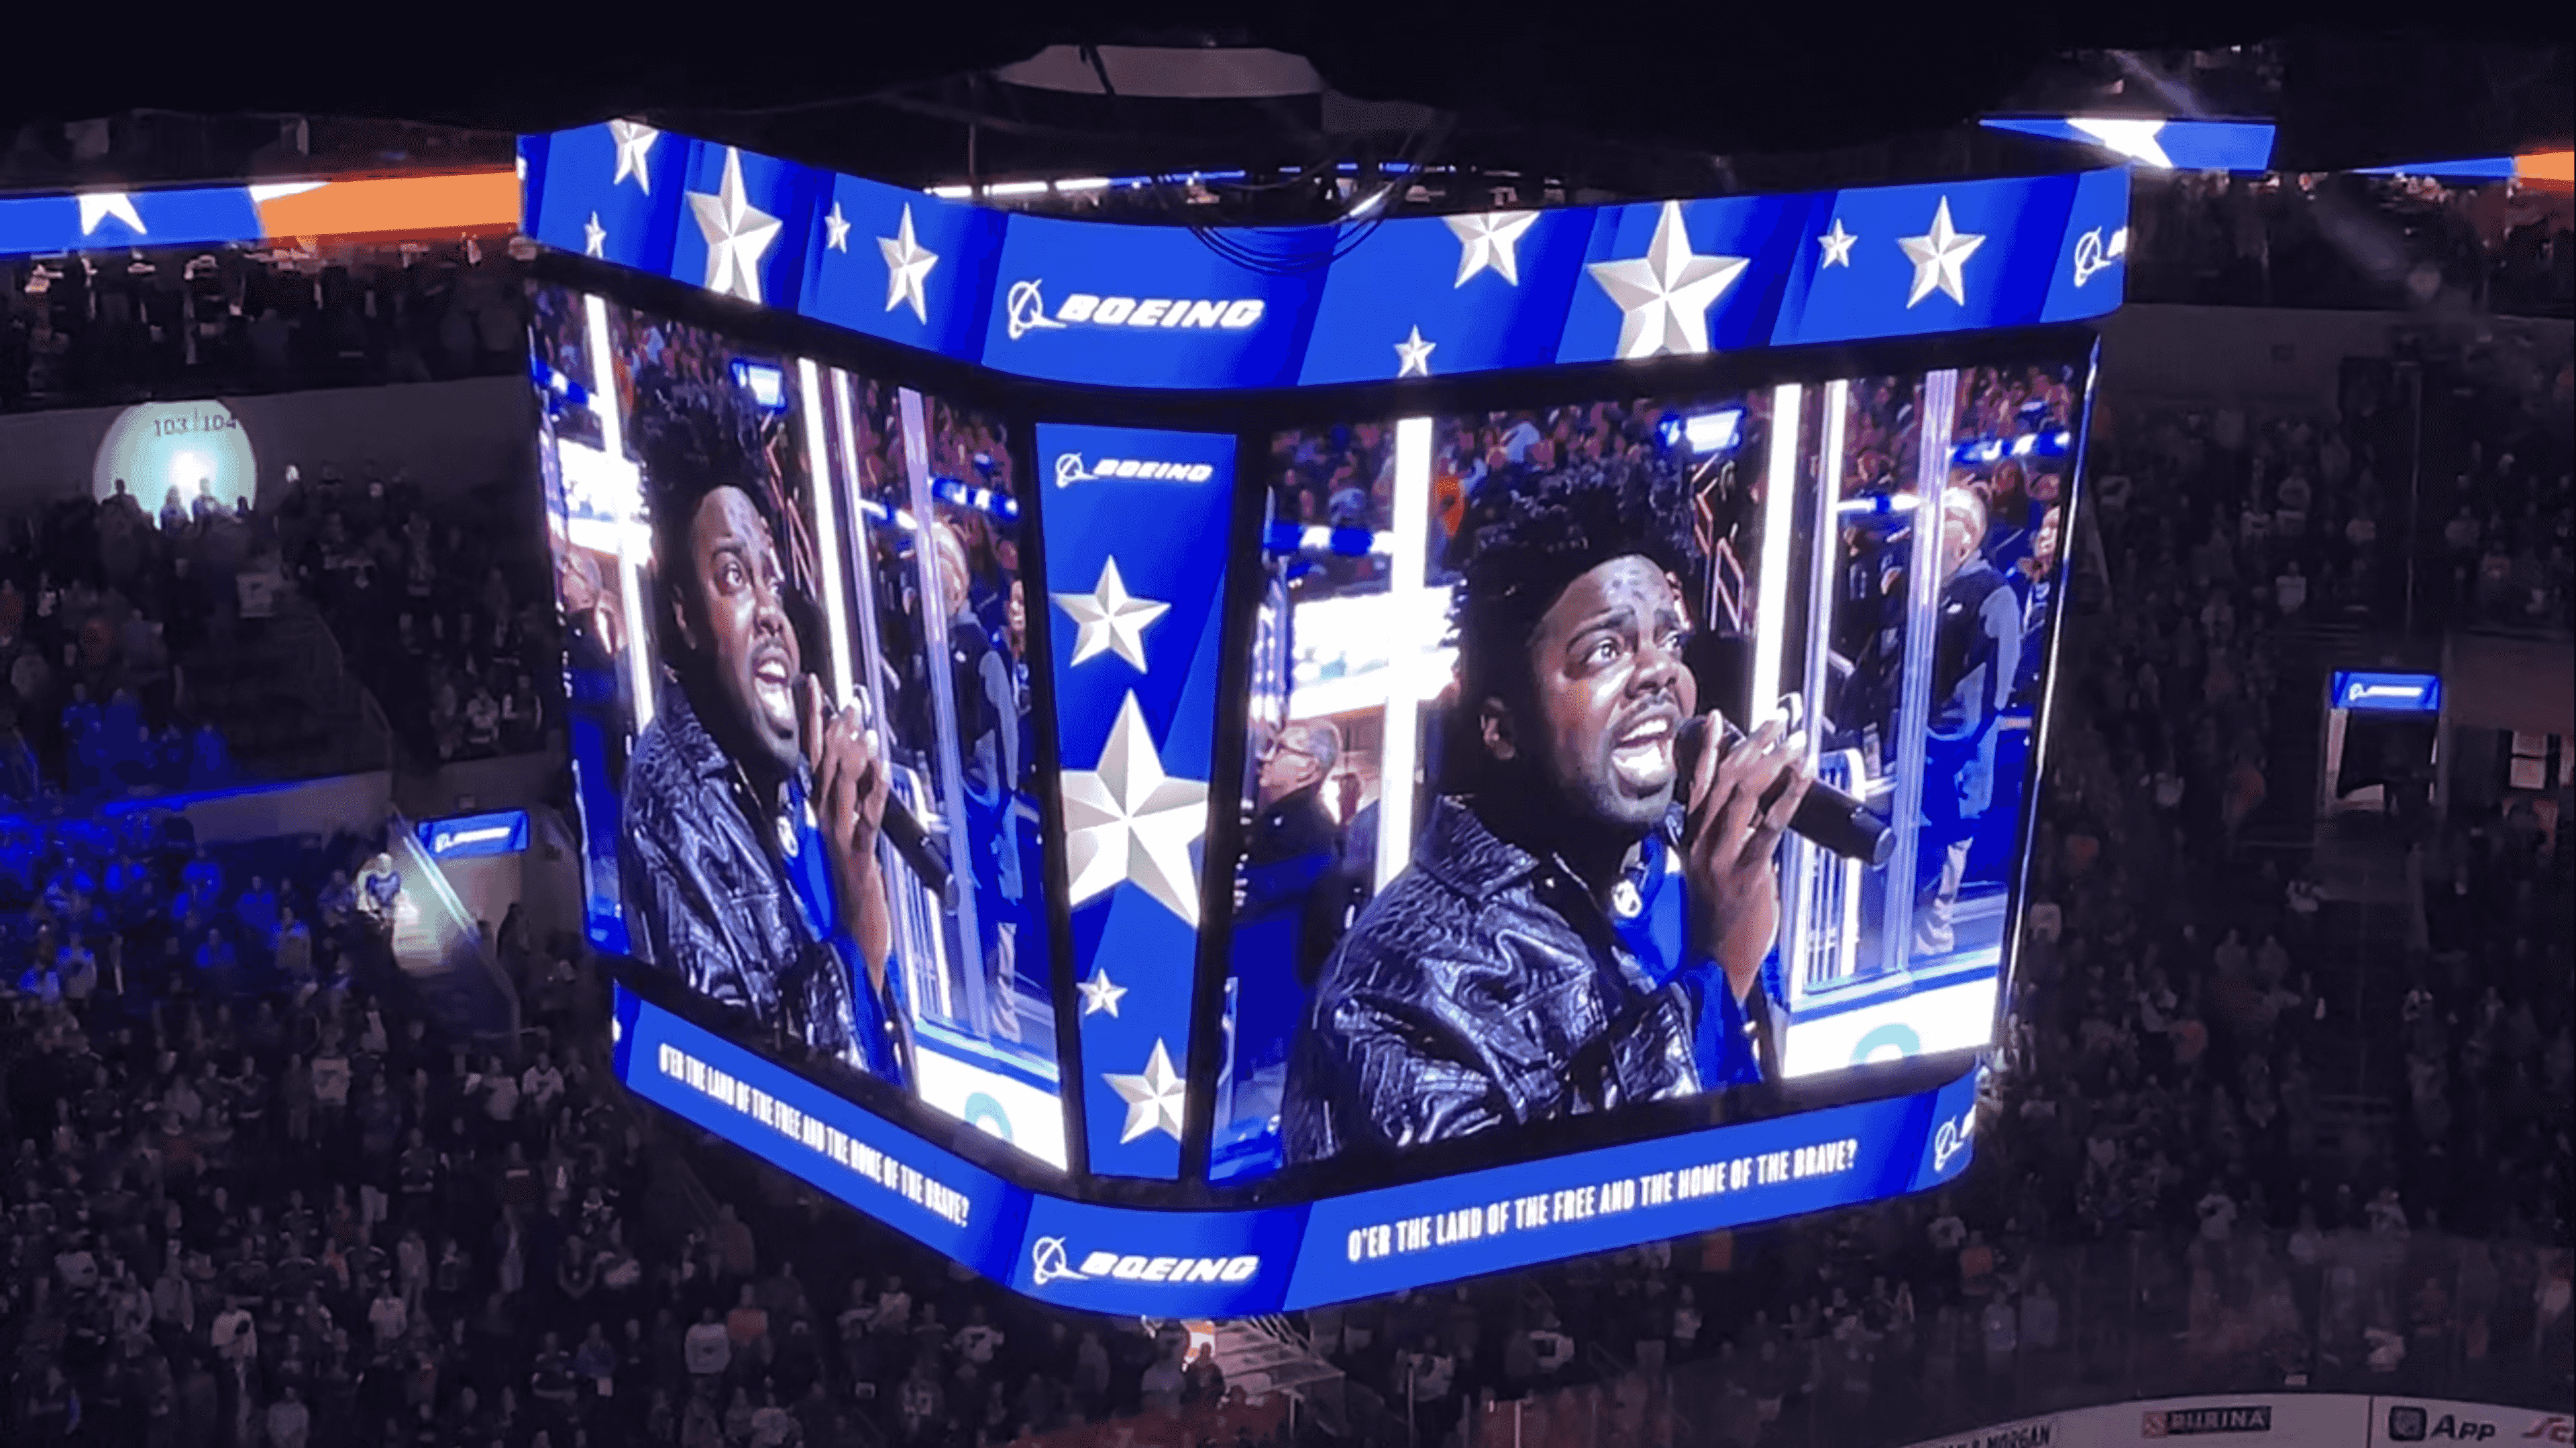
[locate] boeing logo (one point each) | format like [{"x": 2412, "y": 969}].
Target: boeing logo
[
  {"x": 1046, "y": 1263},
  {"x": 2364, "y": 693},
  {"x": 1024, "y": 310},
  {"x": 2094, "y": 256},
  {"x": 1071, "y": 469},
  {"x": 1049, "y": 1264},
  {"x": 1952, "y": 1139}
]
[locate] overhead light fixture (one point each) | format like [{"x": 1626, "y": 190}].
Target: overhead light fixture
[
  {"x": 952, "y": 193},
  {"x": 1073, "y": 184},
  {"x": 1016, "y": 188}
]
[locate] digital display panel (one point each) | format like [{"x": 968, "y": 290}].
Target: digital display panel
[
  {"x": 1244, "y": 1261},
  {"x": 2389, "y": 693},
  {"x": 1474, "y": 900},
  {"x": 800, "y": 706}
]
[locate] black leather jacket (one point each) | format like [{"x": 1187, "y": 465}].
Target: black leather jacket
[
  {"x": 1483, "y": 988},
  {"x": 708, "y": 901}
]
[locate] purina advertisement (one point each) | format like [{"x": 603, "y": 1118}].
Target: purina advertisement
[{"x": 2285, "y": 1420}]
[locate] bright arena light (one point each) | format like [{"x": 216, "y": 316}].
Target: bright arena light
[{"x": 187, "y": 448}]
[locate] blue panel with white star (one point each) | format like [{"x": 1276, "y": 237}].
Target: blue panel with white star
[
  {"x": 927, "y": 284},
  {"x": 743, "y": 223},
  {"x": 1922, "y": 260},
  {"x": 2157, "y": 142},
  {"x": 1134, "y": 522},
  {"x": 1678, "y": 278},
  {"x": 1103, "y": 304},
  {"x": 1475, "y": 293},
  {"x": 611, "y": 191},
  {"x": 185, "y": 216}
]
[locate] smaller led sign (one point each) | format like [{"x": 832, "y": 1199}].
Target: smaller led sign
[
  {"x": 466, "y": 837},
  {"x": 2387, "y": 693}
]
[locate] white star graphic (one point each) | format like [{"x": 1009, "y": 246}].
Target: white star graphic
[
  {"x": 2135, "y": 139},
  {"x": 1110, "y": 620},
  {"x": 1938, "y": 257},
  {"x": 1154, "y": 1097},
  {"x": 1666, "y": 293},
  {"x": 1490, "y": 239},
  {"x": 906, "y": 265},
  {"x": 1100, "y": 993},
  {"x": 98, "y": 206},
  {"x": 1413, "y": 356},
  {"x": 594, "y": 237},
  {"x": 634, "y": 143},
  {"x": 836, "y": 228},
  {"x": 1128, "y": 822},
  {"x": 1837, "y": 244},
  {"x": 737, "y": 233}
]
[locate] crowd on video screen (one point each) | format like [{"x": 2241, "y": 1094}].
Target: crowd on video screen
[
  {"x": 1589, "y": 577},
  {"x": 741, "y": 843}
]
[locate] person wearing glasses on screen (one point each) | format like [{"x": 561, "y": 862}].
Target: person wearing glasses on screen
[
  {"x": 750, "y": 866},
  {"x": 1579, "y": 929}
]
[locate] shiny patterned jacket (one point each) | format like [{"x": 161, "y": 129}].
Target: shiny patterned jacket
[
  {"x": 709, "y": 903},
  {"x": 1485, "y": 988}
]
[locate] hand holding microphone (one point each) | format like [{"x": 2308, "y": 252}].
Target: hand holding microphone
[
  {"x": 1741, "y": 802},
  {"x": 1825, "y": 817},
  {"x": 901, "y": 827}
]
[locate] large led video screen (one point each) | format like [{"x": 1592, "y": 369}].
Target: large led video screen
[
  {"x": 800, "y": 709},
  {"x": 1604, "y": 758}
]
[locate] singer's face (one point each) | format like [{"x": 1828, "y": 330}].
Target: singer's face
[
  {"x": 749, "y": 650},
  {"x": 1612, "y": 692}
]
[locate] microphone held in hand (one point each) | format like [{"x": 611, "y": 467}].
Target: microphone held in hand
[
  {"x": 910, "y": 837},
  {"x": 903, "y": 830},
  {"x": 1826, "y": 818}
]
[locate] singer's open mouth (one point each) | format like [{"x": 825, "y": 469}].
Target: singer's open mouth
[
  {"x": 1642, "y": 755},
  {"x": 772, "y": 677}
]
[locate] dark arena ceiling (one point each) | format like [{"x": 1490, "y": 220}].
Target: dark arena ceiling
[{"x": 1606, "y": 100}]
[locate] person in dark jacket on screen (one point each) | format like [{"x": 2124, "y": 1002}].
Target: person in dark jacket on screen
[
  {"x": 1580, "y": 929},
  {"x": 749, "y": 869}
]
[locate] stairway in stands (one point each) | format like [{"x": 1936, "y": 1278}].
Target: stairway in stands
[
  {"x": 2357, "y": 1057},
  {"x": 285, "y": 703}
]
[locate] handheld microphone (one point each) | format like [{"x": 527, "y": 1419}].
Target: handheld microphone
[
  {"x": 1826, "y": 818},
  {"x": 911, "y": 839},
  {"x": 903, "y": 830}
]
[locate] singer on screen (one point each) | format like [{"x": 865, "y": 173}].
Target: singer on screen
[
  {"x": 1580, "y": 928},
  {"x": 752, "y": 805}
]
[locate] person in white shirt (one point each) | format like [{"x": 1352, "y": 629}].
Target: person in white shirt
[
  {"x": 289, "y": 1421},
  {"x": 388, "y": 1316},
  {"x": 1431, "y": 1372},
  {"x": 894, "y": 1307},
  {"x": 234, "y": 1337},
  {"x": 2290, "y": 590},
  {"x": 542, "y": 1084},
  {"x": 1686, "y": 1324},
  {"x": 500, "y": 1096},
  {"x": 706, "y": 1350},
  {"x": 978, "y": 1339}
]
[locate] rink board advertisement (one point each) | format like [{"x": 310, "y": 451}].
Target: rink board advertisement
[{"x": 2280, "y": 1420}]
